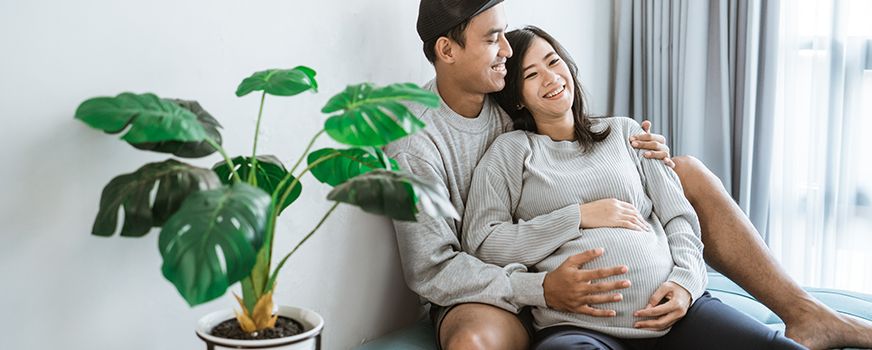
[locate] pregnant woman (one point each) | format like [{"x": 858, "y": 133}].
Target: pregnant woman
[{"x": 537, "y": 197}]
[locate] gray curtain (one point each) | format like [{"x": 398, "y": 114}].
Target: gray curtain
[{"x": 703, "y": 72}]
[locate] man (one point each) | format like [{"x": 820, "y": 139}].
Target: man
[{"x": 473, "y": 304}]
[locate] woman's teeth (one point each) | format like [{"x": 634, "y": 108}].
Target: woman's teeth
[{"x": 555, "y": 93}]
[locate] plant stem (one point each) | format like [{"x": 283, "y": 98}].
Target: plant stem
[
  {"x": 275, "y": 273},
  {"x": 253, "y": 179},
  {"x": 226, "y": 159},
  {"x": 306, "y": 151},
  {"x": 278, "y": 204}
]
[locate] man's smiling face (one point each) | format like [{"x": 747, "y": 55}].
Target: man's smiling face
[{"x": 481, "y": 64}]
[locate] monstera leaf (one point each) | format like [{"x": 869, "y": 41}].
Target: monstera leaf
[
  {"x": 174, "y": 181},
  {"x": 270, "y": 171},
  {"x": 229, "y": 223},
  {"x": 386, "y": 193},
  {"x": 280, "y": 82},
  {"x": 347, "y": 164},
  {"x": 190, "y": 149},
  {"x": 368, "y": 113},
  {"x": 152, "y": 120}
]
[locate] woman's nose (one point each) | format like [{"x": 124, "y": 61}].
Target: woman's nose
[{"x": 551, "y": 77}]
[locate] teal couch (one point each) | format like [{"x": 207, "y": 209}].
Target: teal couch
[{"x": 422, "y": 337}]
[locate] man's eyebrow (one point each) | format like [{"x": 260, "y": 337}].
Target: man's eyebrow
[
  {"x": 496, "y": 31},
  {"x": 493, "y": 31},
  {"x": 552, "y": 53}
]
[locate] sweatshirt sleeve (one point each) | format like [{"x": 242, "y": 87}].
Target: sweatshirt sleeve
[
  {"x": 490, "y": 230},
  {"x": 679, "y": 221},
  {"x": 437, "y": 269}
]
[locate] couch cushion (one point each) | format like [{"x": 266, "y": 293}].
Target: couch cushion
[{"x": 422, "y": 336}]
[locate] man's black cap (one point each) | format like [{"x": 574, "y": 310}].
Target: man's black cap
[{"x": 436, "y": 17}]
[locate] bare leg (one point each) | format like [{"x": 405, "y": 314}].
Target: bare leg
[
  {"x": 735, "y": 249},
  {"x": 479, "y": 326}
]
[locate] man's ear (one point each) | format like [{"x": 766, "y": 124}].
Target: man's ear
[{"x": 445, "y": 50}]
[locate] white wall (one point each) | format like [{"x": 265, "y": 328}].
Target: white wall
[{"x": 60, "y": 287}]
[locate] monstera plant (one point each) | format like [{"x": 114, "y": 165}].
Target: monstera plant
[{"x": 218, "y": 224}]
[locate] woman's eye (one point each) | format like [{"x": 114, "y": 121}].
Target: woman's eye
[
  {"x": 530, "y": 75},
  {"x": 555, "y": 61}
]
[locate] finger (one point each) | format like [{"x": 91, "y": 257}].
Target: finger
[
  {"x": 582, "y": 258},
  {"x": 587, "y": 310},
  {"x": 604, "y": 287},
  {"x": 600, "y": 299},
  {"x": 646, "y": 125},
  {"x": 648, "y": 145},
  {"x": 631, "y": 222},
  {"x": 656, "y": 154},
  {"x": 669, "y": 162},
  {"x": 598, "y": 274},
  {"x": 658, "y": 295},
  {"x": 658, "y": 324},
  {"x": 641, "y": 220},
  {"x": 657, "y": 311}
]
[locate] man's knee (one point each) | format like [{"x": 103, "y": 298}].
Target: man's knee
[
  {"x": 695, "y": 177},
  {"x": 474, "y": 338},
  {"x": 478, "y": 326}
]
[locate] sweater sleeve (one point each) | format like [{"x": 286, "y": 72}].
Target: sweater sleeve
[
  {"x": 679, "y": 221},
  {"x": 490, "y": 230},
  {"x": 437, "y": 269}
]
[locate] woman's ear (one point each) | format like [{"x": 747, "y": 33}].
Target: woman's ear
[{"x": 445, "y": 50}]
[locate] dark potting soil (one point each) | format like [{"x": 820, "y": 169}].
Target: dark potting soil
[{"x": 285, "y": 327}]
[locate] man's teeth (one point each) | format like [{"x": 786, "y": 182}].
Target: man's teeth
[
  {"x": 555, "y": 92},
  {"x": 499, "y": 67}
]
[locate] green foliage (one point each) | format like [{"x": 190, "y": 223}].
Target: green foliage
[
  {"x": 173, "y": 181},
  {"x": 365, "y": 120},
  {"x": 151, "y": 119},
  {"x": 386, "y": 193},
  {"x": 280, "y": 82},
  {"x": 213, "y": 236},
  {"x": 270, "y": 172},
  {"x": 232, "y": 219},
  {"x": 346, "y": 164},
  {"x": 188, "y": 149}
]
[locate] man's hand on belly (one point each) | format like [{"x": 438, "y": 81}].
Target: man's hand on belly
[{"x": 568, "y": 287}]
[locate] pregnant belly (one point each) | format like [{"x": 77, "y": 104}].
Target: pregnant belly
[{"x": 646, "y": 255}]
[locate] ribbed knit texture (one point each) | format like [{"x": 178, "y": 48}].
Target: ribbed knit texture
[
  {"x": 447, "y": 151},
  {"x": 523, "y": 207}
]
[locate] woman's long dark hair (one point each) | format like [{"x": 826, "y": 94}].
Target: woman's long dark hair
[{"x": 511, "y": 96}]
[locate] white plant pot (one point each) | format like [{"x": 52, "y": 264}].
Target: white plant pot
[{"x": 310, "y": 339}]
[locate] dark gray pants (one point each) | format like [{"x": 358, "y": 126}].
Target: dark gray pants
[{"x": 708, "y": 324}]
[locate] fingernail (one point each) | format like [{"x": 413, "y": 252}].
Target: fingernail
[
  {"x": 598, "y": 250},
  {"x": 635, "y": 144},
  {"x": 633, "y": 138},
  {"x": 618, "y": 297},
  {"x": 647, "y": 153}
]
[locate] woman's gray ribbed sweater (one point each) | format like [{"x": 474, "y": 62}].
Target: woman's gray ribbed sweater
[{"x": 523, "y": 207}]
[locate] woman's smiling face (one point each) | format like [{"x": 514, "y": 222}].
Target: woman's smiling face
[{"x": 547, "y": 90}]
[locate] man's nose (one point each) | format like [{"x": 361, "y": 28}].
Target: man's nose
[{"x": 505, "y": 48}]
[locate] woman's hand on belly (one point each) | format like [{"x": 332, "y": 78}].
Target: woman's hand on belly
[
  {"x": 611, "y": 212},
  {"x": 677, "y": 301}
]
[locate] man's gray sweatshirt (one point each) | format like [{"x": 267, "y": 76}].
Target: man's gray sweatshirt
[{"x": 435, "y": 266}]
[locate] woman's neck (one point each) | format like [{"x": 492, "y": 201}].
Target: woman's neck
[{"x": 557, "y": 128}]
